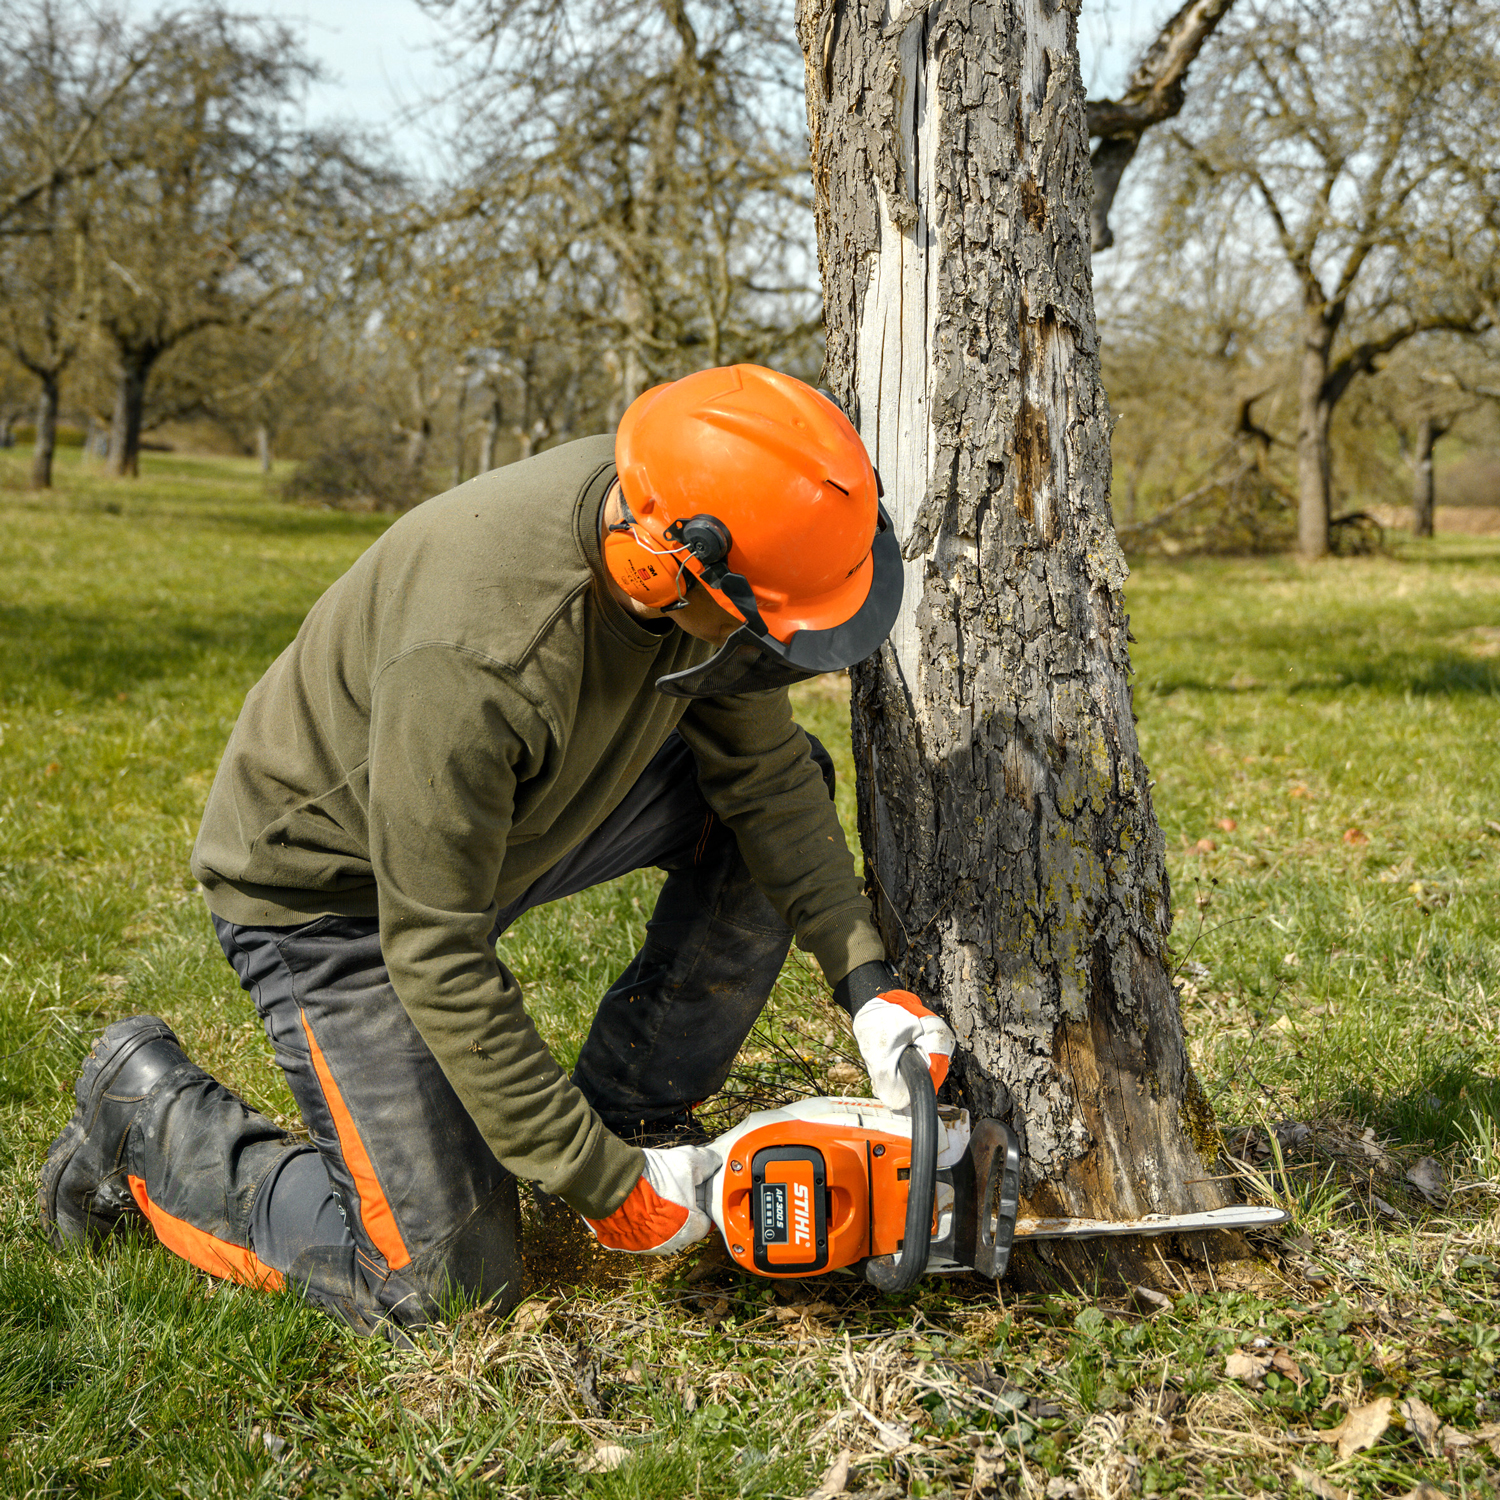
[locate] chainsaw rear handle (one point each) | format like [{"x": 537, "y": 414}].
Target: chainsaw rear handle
[{"x": 897, "y": 1273}]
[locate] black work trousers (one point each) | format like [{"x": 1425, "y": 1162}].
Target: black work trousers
[{"x": 398, "y": 1191}]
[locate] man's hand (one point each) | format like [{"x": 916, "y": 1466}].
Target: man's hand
[
  {"x": 885, "y": 1027},
  {"x": 661, "y": 1215}
]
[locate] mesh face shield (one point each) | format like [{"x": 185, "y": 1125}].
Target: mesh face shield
[{"x": 752, "y": 660}]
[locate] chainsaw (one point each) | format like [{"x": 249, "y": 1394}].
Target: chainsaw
[{"x": 833, "y": 1184}]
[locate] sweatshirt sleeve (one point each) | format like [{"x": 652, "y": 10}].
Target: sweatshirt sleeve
[
  {"x": 448, "y": 736},
  {"x": 756, "y": 770}
]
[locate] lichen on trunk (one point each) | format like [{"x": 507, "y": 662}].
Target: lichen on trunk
[{"x": 1013, "y": 852}]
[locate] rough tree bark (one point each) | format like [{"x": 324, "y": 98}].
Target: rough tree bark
[{"x": 1012, "y": 847}]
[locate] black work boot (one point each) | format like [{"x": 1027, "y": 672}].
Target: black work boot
[{"x": 84, "y": 1194}]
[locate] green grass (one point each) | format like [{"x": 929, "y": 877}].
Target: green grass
[{"x": 1345, "y": 985}]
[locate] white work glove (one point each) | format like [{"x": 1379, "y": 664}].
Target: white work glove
[
  {"x": 885, "y": 1027},
  {"x": 661, "y": 1215}
]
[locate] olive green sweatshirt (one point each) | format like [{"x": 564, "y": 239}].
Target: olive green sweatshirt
[{"x": 463, "y": 707}]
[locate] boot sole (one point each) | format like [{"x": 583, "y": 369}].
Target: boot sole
[{"x": 115, "y": 1046}]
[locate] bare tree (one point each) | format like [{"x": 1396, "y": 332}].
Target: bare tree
[
  {"x": 1005, "y": 812},
  {"x": 63, "y": 78},
  {"x": 1346, "y": 129},
  {"x": 226, "y": 210},
  {"x": 660, "y": 134},
  {"x": 61, "y": 75}
]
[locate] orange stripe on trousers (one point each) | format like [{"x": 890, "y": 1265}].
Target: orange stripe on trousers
[
  {"x": 375, "y": 1212},
  {"x": 207, "y": 1252}
]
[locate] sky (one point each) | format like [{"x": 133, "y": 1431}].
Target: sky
[{"x": 382, "y": 62}]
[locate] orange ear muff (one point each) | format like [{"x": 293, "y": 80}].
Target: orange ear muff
[{"x": 648, "y": 577}]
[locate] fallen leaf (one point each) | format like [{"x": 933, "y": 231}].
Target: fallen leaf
[
  {"x": 989, "y": 1471},
  {"x": 1314, "y": 1482},
  {"x": 606, "y": 1456},
  {"x": 1155, "y": 1301},
  {"x": 1228, "y": 824},
  {"x": 1450, "y": 1438},
  {"x": 1300, "y": 790},
  {"x": 1384, "y": 1209},
  {"x": 1425, "y": 1491},
  {"x": 714, "y": 1313},
  {"x": 1285, "y": 1365},
  {"x": 532, "y": 1314},
  {"x": 1356, "y": 836},
  {"x": 835, "y": 1479},
  {"x": 1248, "y": 1367},
  {"x": 274, "y": 1445},
  {"x": 1362, "y": 1427},
  {"x": 1422, "y": 1420},
  {"x": 1428, "y": 1177},
  {"x": 1204, "y": 846}
]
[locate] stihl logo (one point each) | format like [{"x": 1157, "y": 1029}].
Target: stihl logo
[{"x": 801, "y": 1215}]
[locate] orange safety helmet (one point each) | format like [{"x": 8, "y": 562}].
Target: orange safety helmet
[{"x": 758, "y": 488}]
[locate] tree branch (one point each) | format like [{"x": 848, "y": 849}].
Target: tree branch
[{"x": 1154, "y": 93}]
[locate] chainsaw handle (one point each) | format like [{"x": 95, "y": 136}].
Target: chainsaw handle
[{"x": 897, "y": 1273}]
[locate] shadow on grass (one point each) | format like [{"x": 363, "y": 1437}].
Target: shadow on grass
[
  {"x": 1425, "y": 677},
  {"x": 1441, "y": 1109},
  {"x": 88, "y": 652}
]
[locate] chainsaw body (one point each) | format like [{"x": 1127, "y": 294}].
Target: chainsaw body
[{"x": 832, "y": 1183}]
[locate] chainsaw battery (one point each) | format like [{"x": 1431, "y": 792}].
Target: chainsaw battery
[{"x": 789, "y": 1209}]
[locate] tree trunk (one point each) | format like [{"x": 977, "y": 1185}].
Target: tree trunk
[
  {"x": 491, "y": 438},
  {"x": 46, "y": 434},
  {"x": 1005, "y": 811},
  {"x": 1428, "y": 432},
  {"x": 1314, "y": 461},
  {"x": 460, "y": 419},
  {"x": 130, "y": 404},
  {"x": 263, "y": 447}
]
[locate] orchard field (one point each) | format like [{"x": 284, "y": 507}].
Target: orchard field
[{"x": 1326, "y": 747}]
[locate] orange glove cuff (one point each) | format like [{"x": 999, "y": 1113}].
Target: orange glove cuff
[
  {"x": 642, "y": 1222},
  {"x": 906, "y": 1000}
]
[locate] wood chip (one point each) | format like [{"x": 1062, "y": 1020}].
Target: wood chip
[
  {"x": 1317, "y": 1485},
  {"x": 1362, "y": 1427}
]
